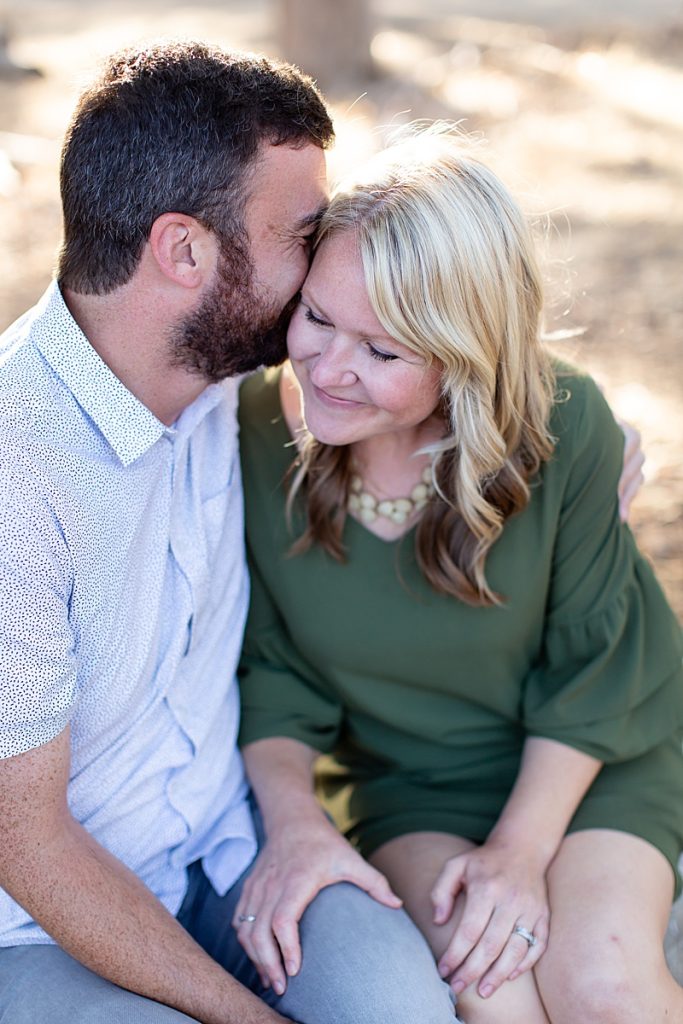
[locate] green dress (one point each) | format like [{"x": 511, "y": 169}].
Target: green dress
[{"x": 420, "y": 702}]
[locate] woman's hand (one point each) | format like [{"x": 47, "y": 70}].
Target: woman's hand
[
  {"x": 503, "y": 890},
  {"x": 294, "y": 865}
]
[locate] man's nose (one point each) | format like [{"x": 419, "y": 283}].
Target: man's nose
[{"x": 332, "y": 367}]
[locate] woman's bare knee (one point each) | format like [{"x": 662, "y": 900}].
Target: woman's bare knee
[
  {"x": 610, "y": 894},
  {"x": 514, "y": 1001},
  {"x": 604, "y": 993}
]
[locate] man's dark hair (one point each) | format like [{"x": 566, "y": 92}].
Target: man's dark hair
[{"x": 172, "y": 128}]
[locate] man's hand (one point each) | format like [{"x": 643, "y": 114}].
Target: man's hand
[
  {"x": 631, "y": 479},
  {"x": 295, "y": 864}
]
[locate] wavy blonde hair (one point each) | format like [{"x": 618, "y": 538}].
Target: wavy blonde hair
[{"x": 451, "y": 273}]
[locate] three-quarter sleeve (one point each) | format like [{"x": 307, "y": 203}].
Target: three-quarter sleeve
[
  {"x": 608, "y": 679},
  {"x": 281, "y": 693}
]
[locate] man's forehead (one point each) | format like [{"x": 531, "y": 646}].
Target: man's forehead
[{"x": 288, "y": 185}]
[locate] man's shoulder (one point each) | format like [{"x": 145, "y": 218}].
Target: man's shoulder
[
  {"x": 14, "y": 337},
  {"x": 39, "y": 418},
  {"x": 16, "y": 340},
  {"x": 25, "y": 385},
  {"x": 16, "y": 349}
]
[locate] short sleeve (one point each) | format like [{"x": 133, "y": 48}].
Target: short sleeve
[
  {"x": 281, "y": 694},
  {"x": 37, "y": 660},
  {"x": 608, "y": 679}
]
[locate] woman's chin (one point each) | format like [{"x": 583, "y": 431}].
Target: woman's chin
[
  {"x": 335, "y": 438},
  {"x": 328, "y": 429}
]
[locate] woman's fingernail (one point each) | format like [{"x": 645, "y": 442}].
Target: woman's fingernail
[
  {"x": 279, "y": 987},
  {"x": 485, "y": 991},
  {"x": 458, "y": 987},
  {"x": 291, "y": 968},
  {"x": 444, "y": 970}
]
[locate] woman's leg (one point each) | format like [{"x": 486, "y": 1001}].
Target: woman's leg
[
  {"x": 610, "y": 898},
  {"x": 412, "y": 864}
]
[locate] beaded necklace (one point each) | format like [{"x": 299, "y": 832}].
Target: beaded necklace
[{"x": 367, "y": 507}]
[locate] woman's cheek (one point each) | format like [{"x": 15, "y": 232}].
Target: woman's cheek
[{"x": 304, "y": 339}]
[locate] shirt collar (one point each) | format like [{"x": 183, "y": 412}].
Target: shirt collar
[
  {"x": 191, "y": 417},
  {"x": 128, "y": 425}
]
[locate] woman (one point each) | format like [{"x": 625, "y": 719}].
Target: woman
[{"x": 446, "y": 604}]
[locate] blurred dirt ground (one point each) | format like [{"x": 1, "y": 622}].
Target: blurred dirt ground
[{"x": 581, "y": 108}]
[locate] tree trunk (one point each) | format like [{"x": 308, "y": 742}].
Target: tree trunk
[{"x": 328, "y": 39}]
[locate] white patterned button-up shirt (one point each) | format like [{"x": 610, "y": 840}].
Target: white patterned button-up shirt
[{"x": 123, "y": 593}]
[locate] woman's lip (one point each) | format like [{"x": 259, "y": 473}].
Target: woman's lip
[{"x": 327, "y": 398}]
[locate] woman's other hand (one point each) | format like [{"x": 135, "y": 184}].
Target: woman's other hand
[
  {"x": 294, "y": 865},
  {"x": 502, "y": 891}
]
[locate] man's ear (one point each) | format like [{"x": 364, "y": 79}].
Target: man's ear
[{"x": 184, "y": 250}]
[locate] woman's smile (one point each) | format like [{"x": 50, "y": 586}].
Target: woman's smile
[{"x": 335, "y": 401}]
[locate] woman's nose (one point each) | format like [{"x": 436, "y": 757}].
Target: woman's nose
[{"x": 332, "y": 366}]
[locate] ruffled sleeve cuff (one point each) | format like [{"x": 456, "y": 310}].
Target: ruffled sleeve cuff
[{"x": 612, "y": 683}]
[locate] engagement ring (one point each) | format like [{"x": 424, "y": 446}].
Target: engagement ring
[{"x": 526, "y": 934}]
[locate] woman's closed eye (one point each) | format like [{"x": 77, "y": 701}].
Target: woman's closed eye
[
  {"x": 376, "y": 353},
  {"x": 313, "y": 319}
]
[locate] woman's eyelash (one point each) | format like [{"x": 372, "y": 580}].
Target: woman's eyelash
[
  {"x": 384, "y": 357},
  {"x": 310, "y": 316}
]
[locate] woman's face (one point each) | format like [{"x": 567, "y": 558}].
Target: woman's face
[{"x": 356, "y": 380}]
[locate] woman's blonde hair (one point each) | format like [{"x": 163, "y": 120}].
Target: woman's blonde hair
[{"x": 451, "y": 273}]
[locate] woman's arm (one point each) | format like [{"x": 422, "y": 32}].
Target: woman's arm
[
  {"x": 552, "y": 780},
  {"x": 503, "y": 881},
  {"x": 303, "y": 853}
]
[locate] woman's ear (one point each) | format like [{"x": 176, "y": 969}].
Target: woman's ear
[{"x": 184, "y": 250}]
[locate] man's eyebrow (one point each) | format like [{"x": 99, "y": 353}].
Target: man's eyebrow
[{"x": 311, "y": 220}]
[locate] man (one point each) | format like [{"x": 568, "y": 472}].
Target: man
[{"x": 191, "y": 181}]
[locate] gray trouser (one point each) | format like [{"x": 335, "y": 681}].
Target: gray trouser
[{"x": 362, "y": 964}]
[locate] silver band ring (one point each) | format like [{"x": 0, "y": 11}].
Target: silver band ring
[
  {"x": 246, "y": 918},
  {"x": 528, "y": 936}
]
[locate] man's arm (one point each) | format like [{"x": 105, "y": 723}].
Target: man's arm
[{"x": 94, "y": 907}]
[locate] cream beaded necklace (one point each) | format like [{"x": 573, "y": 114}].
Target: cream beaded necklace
[{"x": 399, "y": 510}]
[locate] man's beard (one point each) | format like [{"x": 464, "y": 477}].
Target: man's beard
[{"x": 234, "y": 330}]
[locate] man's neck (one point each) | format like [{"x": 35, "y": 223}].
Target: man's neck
[{"x": 130, "y": 332}]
